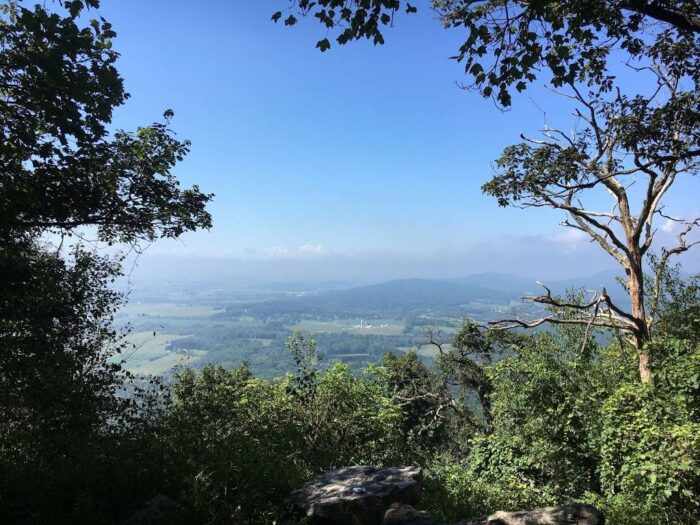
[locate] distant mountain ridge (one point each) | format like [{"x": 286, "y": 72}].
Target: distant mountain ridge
[
  {"x": 403, "y": 296},
  {"x": 398, "y": 296}
]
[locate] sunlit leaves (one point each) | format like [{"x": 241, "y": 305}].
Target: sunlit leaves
[
  {"x": 61, "y": 168},
  {"x": 513, "y": 42},
  {"x": 531, "y": 173},
  {"x": 354, "y": 20}
]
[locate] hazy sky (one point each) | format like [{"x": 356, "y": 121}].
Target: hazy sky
[{"x": 363, "y": 162}]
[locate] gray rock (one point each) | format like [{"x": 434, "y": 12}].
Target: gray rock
[
  {"x": 357, "y": 495},
  {"x": 577, "y": 514},
  {"x": 402, "y": 514}
]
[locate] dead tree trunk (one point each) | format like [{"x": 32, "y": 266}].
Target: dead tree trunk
[{"x": 640, "y": 334}]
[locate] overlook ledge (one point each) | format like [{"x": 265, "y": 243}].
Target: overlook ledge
[{"x": 358, "y": 495}]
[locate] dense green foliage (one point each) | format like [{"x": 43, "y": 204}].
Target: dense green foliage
[
  {"x": 249, "y": 443},
  {"x": 73, "y": 429},
  {"x": 569, "y": 427},
  {"x": 69, "y": 417},
  {"x": 229, "y": 445}
]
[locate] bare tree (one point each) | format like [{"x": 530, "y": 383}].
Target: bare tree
[{"x": 633, "y": 149}]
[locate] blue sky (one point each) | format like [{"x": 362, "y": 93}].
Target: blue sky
[{"x": 363, "y": 162}]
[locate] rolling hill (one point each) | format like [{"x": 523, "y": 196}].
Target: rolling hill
[{"x": 392, "y": 297}]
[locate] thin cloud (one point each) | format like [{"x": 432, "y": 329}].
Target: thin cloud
[
  {"x": 669, "y": 226},
  {"x": 571, "y": 238},
  {"x": 315, "y": 249}
]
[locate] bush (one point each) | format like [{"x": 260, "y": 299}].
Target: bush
[{"x": 660, "y": 466}]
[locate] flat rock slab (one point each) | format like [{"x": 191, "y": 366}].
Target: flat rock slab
[
  {"x": 358, "y": 495},
  {"x": 578, "y": 514}
]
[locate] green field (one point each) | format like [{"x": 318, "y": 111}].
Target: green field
[
  {"x": 147, "y": 354},
  {"x": 164, "y": 364},
  {"x": 166, "y": 310},
  {"x": 388, "y": 327}
]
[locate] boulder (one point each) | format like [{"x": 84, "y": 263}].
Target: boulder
[
  {"x": 577, "y": 514},
  {"x": 358, "y": 495},
  {"x": 402, "y": 514}
]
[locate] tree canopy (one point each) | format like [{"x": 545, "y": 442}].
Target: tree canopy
[
  {"x": 62, "y": 166},
  {"x": 64, "y": 171},
  {"x": 511, "y": 43}
]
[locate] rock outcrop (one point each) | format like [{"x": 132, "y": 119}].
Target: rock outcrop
[
  {"x": 567, "y": 515},
  {"x": 358, "y": 495},
  {"x": 366, "y": 495}
]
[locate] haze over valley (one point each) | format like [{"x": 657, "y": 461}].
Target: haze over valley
[{"x": 174, "y": 323}]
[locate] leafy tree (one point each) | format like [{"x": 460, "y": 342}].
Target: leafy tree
[
  {"x": 74, "y": 446},
  {"x": 303, "y": 351},
  {"x": 425, "y": 402},
  {"x": 65, "y": 417},
  {"x": 647, "y": 140},
  {"x": 464, "y": 365},
  {"x": 57, "y": 390},
  {"x": 61, "y": 169}
]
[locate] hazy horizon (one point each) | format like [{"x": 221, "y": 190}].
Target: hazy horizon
[
  {"x": 157, "y": 269},
  {"x": 363, "y": 163}
]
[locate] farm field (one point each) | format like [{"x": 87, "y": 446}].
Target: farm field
[
  {"x": 147, "y": 353},
  {"x": 166, "y": 310},
  {"x": 388, "y": 327},
  {"x": 215, "y": 326},
  {"x": 165, "y": 363}
]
